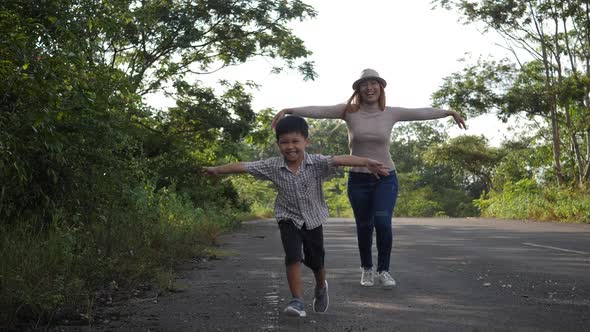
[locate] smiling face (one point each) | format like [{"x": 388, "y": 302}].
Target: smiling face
[
  {"x": 292, "y": 146},
  {"x": 369, "y": 91}
]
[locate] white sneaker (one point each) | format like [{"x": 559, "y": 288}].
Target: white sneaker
[
  {"x": 385, "y": 279},
  {"x": 367, "y": 277}
]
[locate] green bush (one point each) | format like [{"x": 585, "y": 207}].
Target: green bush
[
  {"x": 337, "y": 198},
  {"x": 525, "y": 199},
  {"x": 64, "y": 266},
  {"x": 417, "y": 203},
  {"x": 258, "y": 195}
]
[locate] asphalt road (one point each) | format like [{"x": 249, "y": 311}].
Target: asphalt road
[{"x": 453, "y": 275}]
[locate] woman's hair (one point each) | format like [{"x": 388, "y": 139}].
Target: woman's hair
[{"x": 354, "y": 102}]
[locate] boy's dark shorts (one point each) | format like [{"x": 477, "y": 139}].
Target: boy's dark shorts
[{"x": 311, "y": 240}]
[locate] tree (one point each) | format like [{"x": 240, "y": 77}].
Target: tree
[
  {"x": 95, "y": 185},
  {"x": 73, "y": 74},
  {"x": 555, "y": 84},
  {"x": 427, "y": 189},
  {"x": 522, "y": 158},
  {"x": 328, "y": 137},
  {"x": 470, "y": 155}
]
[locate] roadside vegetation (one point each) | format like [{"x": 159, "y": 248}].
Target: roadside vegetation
[{"x": 97, "y": 188}]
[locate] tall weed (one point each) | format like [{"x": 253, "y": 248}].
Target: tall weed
[
  {"x": 62, "y": 267},
  {"x": 525, "y": 199}
]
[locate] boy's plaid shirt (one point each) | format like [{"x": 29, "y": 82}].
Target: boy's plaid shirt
[{"x": 300, "y": 196}]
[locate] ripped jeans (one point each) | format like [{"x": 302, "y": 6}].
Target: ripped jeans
[{"x": 372, "y": 201}]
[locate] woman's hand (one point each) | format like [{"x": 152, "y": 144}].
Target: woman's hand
[
  {"x": 458, "y": 119},
  {"x": 281, "y": 114}
]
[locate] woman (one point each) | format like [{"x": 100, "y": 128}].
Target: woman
[{"x": 372, "y": 198}]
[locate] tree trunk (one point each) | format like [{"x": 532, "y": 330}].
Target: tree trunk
[
  {"x": 587, "y": 173},
  {"x": 553, "y": 103},
  {"x": 568, "y": 121},
  {"x": 556, "y": 146}
]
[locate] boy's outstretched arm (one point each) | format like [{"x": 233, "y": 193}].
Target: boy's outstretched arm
[
  {"x": 374, "y": 166},
  {"x": 232, "y": 168}
]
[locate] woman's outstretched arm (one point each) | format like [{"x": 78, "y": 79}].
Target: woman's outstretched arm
[
  {"x": 317, "y": 112},
  {"x": 426, "y": 113}
]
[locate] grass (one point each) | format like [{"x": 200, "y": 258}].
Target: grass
[
  {"x": 526, "y": 200},
  {"x": 62, "y": 268}
]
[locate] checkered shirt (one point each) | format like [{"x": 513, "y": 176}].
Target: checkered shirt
[{"x": 299, "y": 195}]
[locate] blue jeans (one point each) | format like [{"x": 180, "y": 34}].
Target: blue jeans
[{"x": 372, "y": 201}]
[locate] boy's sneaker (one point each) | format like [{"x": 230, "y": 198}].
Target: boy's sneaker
[
  {"x": 385, "y": 279},
  {"x": 367, "y": 277},
  {"x": 321, "y": 299},
  {"x": 295, "y": 308}
]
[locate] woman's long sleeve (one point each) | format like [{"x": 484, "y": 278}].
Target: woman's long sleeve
[
  {"x": 319, "y": 112},
  {"x": 411, "y": 114}
]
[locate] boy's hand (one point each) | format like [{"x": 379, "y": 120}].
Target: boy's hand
[
  {"x": 233, "y": 168},
  {"x": 377, "y": 167}
]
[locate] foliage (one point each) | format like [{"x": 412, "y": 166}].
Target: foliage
[
  {"x": 260, "y": 143},
  {"x": 328, "y": 137},
  {"x": 61, "y": 267},
  {"x": 429, "y": 187},
  {"x": 469, "y": 155},
  {"x": 78, "y": 143},
  {"x": 527, "y": 200},
  {"x": 336, "y": 196},
  {"x": 73, "y": 76},
  {"x": 258, "y": 195},
  {"x": 416, "y": 202},
  {"x": 552, "y": 83},
  {"x": 476, "y": 88},
  {"x": 523, "y": 158}
]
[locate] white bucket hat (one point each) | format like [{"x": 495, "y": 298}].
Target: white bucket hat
[{"x": 368, "y": 74}]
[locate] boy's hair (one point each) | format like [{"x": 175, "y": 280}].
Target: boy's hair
[{"x": 292, "y": 124}]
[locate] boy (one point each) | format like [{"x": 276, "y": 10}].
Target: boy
[{"x": 300, "y": 207}]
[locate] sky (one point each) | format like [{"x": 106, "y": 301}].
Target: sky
[{"x": 411, "y": 46}]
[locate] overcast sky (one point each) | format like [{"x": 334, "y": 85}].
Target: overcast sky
[{"x": 410, "y": 45}]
